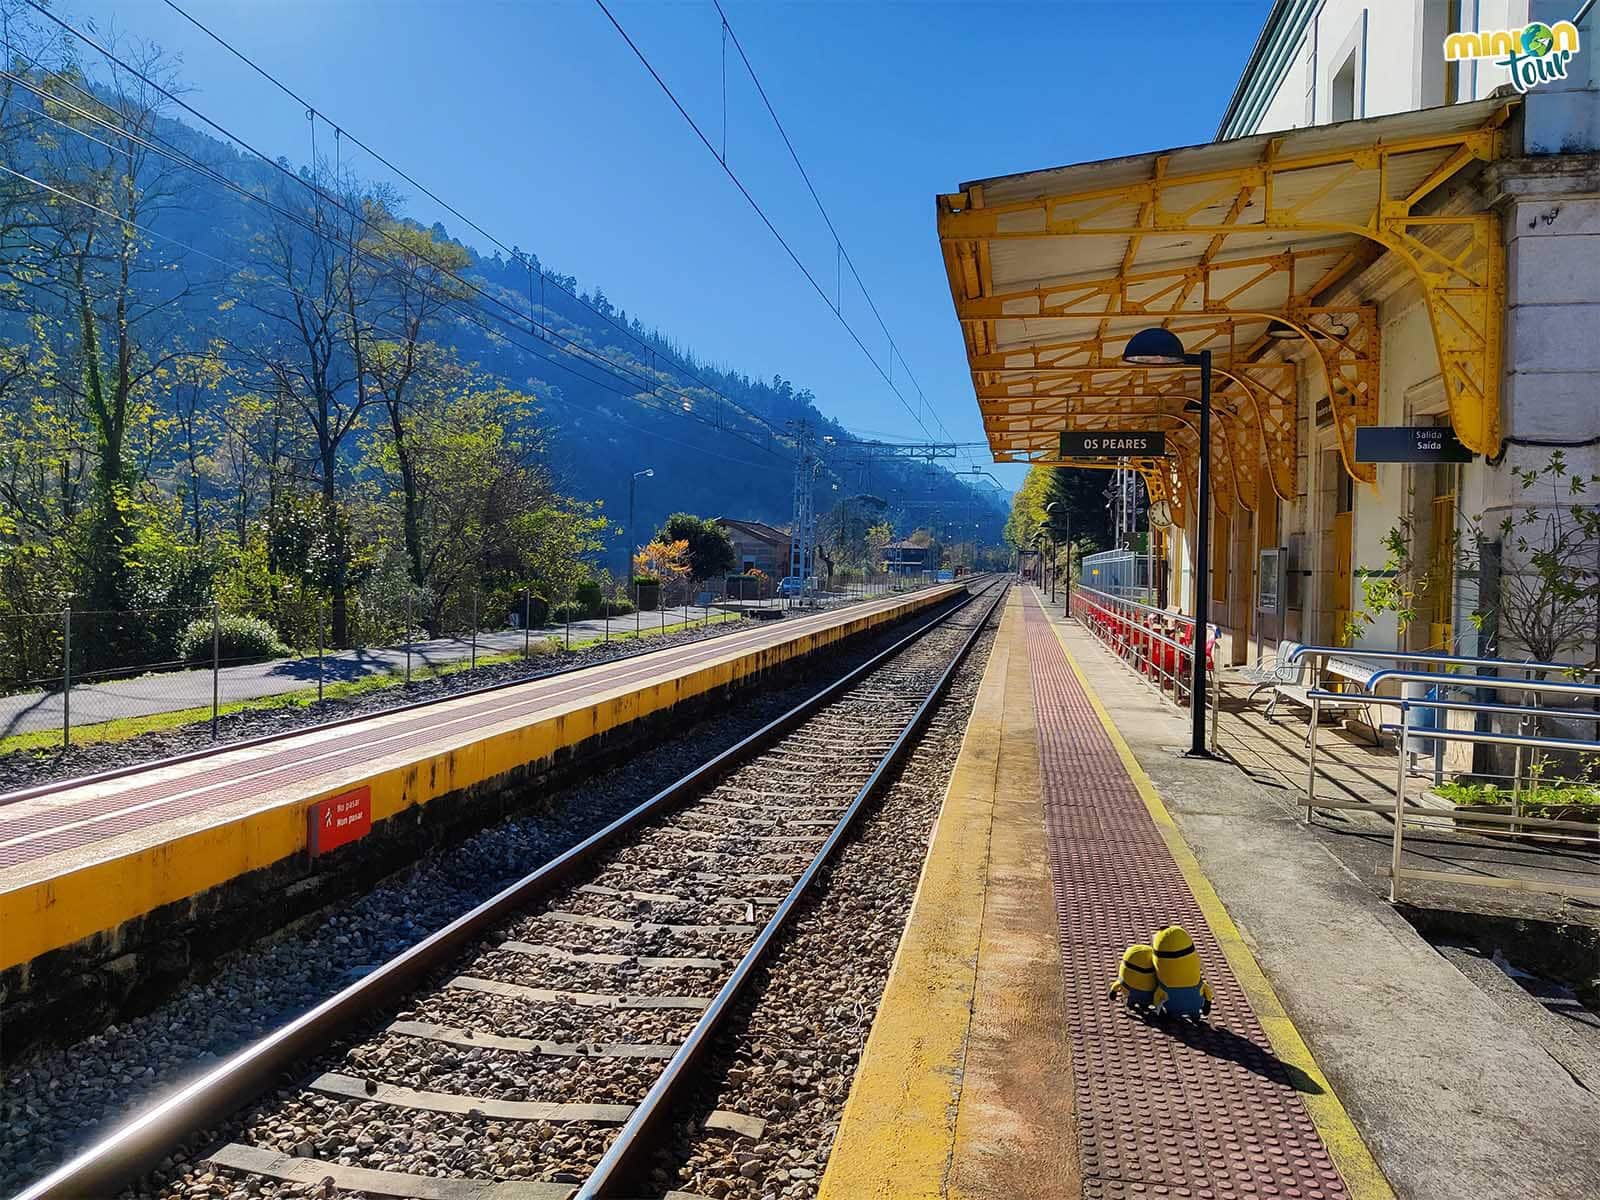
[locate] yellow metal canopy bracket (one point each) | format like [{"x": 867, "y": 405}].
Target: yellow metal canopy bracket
[
  {"x": 1346, "y": 340},
  {"x": 1271, "y": 388}
]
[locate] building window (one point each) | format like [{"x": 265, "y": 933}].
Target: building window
[
  {"x": 1452, "y": 69},
  {"x": 1342, "y": 93}
]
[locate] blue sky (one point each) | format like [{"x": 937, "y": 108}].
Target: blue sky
[{"x": 536, "y": 120}]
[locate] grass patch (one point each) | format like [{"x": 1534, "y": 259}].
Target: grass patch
[
  {"x": 123, "y": 729},
  {"x": 1539, "y": 796}
]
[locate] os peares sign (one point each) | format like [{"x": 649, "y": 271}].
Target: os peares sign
[{"x": 1113, "y": 444}]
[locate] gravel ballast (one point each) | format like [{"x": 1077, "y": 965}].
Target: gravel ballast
[{"x": 55, "y": 1101}]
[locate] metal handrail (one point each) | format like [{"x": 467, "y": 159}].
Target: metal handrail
[
  {"x": 1317, "y": 694},
  {"x": 1397, "y": 872},
  {"x": 1424, "y": 656},
  {"x": 1486, "y": 682},
  {"x": 1452, "y": 705}
]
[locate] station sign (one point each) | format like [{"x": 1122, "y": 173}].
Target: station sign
[
  {"x": 339, "y": 820},
  {"x": 1409, "y": 444},
  {"x": 1113, "y": 443}
]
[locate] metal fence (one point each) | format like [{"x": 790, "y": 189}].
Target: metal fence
[
  {"x": 1156, "y": 645},
  {"x": 63, "y": 672},
  {"x": 1127, "y": 574}
]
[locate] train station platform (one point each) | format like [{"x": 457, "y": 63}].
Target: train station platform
[
  {"x": 1344, "y": 1057},
  {"x": 95, "y": 868}
]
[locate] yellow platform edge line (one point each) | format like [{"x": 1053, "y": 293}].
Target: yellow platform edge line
[
  {"x": 99, "y": 896},
  {"x": 1362, "y": 1175},
  {"x": 897, "y": 1134}
]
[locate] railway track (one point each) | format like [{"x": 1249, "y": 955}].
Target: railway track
[{"x": 541, "y": 1047}]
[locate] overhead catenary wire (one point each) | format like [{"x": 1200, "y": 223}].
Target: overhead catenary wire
[
  {"x": 540, "y": 400},
  {"x": 520, "y": 321},
  {"x": 838, "y": 242},
  {"x": 344, "y": 134},
  {"x": 765, "y": 220}
]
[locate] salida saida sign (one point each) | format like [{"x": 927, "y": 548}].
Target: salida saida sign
[{"x": 1537, "y": 53}]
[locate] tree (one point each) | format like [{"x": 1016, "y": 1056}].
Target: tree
[
  {"x": 665, "y": 560},
  {"x": 308, "y": 289},
  {"x": 1079, "y": 498},
  {"x": 477, "y": 464},
  {"x": 710, "y": 549},
  {"x": 415, "y": 277},
  {"x": 1548, "y": 603},
  {"x": 89, "y": 261},
  {"x": 878, "y": 539},
  {"x": 843, "y": 530}
]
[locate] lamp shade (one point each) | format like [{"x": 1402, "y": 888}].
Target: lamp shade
[{"x": 1155, "y": 347}]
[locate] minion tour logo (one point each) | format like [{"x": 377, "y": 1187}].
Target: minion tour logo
[{"x": 1535, "y": 54}]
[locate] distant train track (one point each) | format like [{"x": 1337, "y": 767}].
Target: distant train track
[{"x": 575, "y": 1007}]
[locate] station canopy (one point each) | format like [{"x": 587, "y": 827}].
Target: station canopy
[{"x": 1239, "y": 247}]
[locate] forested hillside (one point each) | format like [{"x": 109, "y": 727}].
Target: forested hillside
[{"x": 226, "y": 378}]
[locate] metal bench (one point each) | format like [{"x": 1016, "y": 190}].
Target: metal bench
[
  {"x": 1273, "y": 669},
  {"x": 1299, "y": 692}
]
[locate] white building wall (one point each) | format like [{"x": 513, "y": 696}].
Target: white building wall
[{"x": 1551, "y": 210}]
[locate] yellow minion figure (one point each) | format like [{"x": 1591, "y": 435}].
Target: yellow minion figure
[
  {"x": 1180, "y": 989},
  {"x": 1136, "y": 977}
]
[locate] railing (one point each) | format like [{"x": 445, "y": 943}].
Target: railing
[
  {"x": 1154, "y": 643},
  {"x": 1517, "y": 824},
  {"x": 1124, "y": 573},
  {"x": 1321, "y": 654}
]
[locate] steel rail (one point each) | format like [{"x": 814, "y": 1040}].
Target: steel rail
[
  {"x": 59, "y": 785},
  {"x": 625, "y": 1166},
  {"x": 120, "y": 1158}
]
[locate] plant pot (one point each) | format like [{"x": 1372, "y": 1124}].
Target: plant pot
[
  {"x": 649, "y": 596},
  {"x": 1463, "y": 815}
]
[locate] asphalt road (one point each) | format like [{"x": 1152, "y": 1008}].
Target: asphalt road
[{"x": 147, "y": 695}]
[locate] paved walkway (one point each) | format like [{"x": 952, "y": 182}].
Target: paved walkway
[
  {"x": 997, "y": 1066},
  {"x": 1458, "y": 1098},
  {"x": 172, "y": 691}
]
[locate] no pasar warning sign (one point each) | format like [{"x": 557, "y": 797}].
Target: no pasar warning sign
[{"x": 339, "y": 820}]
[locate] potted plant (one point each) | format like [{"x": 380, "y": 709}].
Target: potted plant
[{"x": 1559, "y": 801}]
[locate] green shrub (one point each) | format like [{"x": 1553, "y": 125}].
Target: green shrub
[
  {"x": 621, "y": 608},
  {"x": 588, "y": 597},
  {"x": 238, "y": 637}
]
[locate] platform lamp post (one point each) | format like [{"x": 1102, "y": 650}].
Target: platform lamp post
[
  {"x": 1160, "y": 347},
  {"x": 627, "y": 549},
  {"x": 1066, "y": 584}
]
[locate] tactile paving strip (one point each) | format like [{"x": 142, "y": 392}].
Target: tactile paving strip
[{"x": 1165, "y": 1108}]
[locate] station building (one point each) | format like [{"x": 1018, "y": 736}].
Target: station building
[{"x": 1389, "y": 230}]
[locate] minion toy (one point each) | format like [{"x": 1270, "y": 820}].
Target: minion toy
[
  {"x": 1136, "y": 977},
  {"x": 1181, "y": 991}
]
